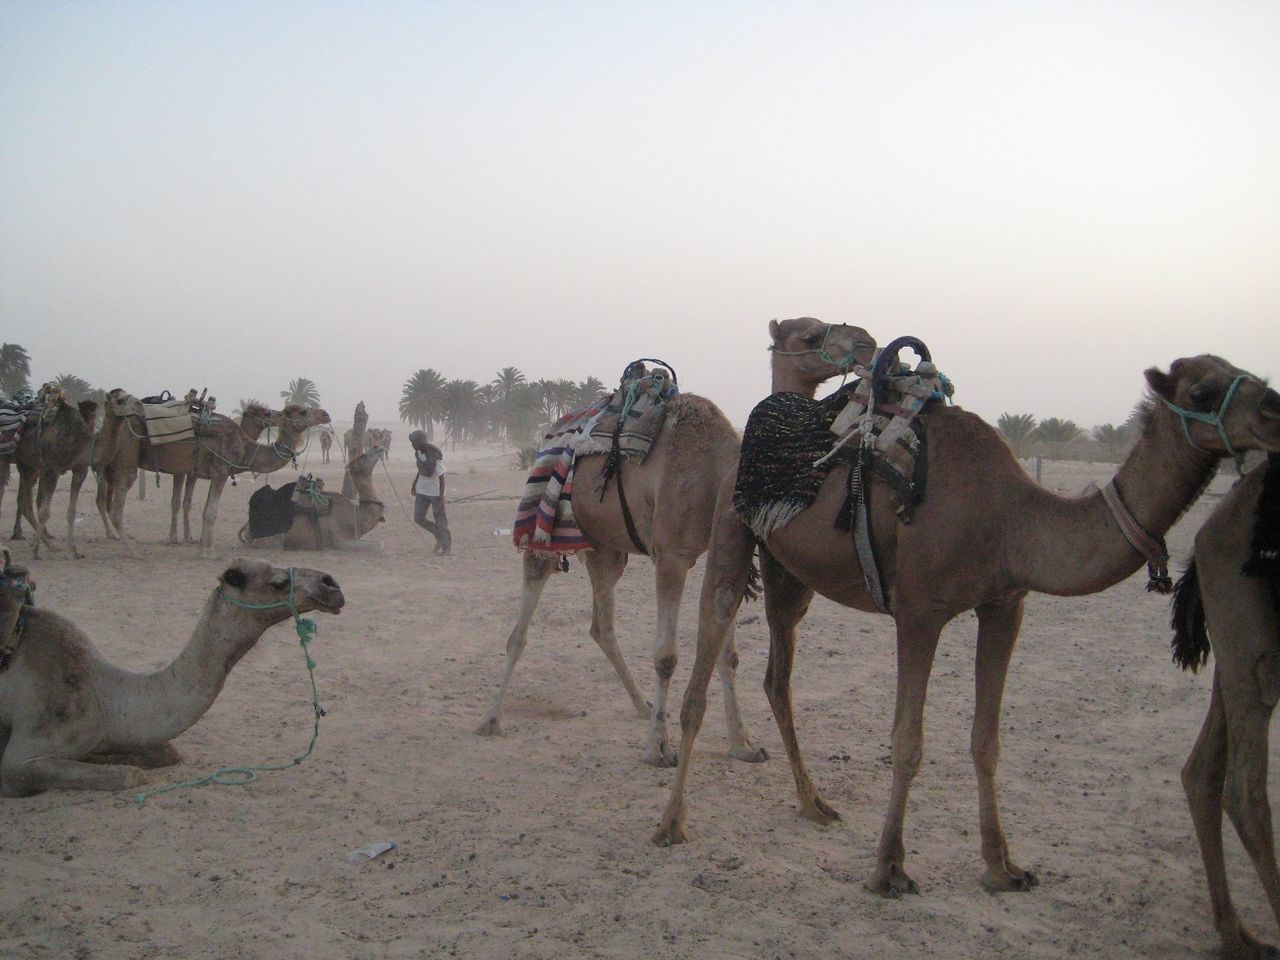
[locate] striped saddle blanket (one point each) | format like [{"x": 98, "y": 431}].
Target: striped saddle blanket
[{"x": 12, "y": 418}]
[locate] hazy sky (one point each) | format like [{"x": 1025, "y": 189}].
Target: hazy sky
[{"x": 1053, "y": 196}]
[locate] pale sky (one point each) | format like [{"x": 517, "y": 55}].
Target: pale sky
[{"x": 231, "y": 195}]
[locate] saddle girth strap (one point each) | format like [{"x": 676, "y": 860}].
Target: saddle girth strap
[
  {"x": 1152, "y": 548},
  {"x": 629, "y": 520},
  {"x": 864, "y": 545}
]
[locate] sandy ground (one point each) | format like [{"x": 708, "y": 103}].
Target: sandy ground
[{"x": 536, "y": 844}]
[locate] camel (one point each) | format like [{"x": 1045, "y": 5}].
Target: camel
[
  {"x": 56, "y": 438},
  {"x": 353, "y": 440},
  {"x": 68, "y": 717},
  {"x": 381, "y": 438},
  {"x": 1228, "y": 765},
  {"x": 344, "y": 520},
  {"x": 219, "y": 451},
  {"x": 984, "y": 536},
  {"x": 671, "y": 495},
  {"x": 326, "y": 441},
  {"x": 255, "y": 418}
]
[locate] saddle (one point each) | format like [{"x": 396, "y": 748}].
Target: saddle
[{"x": 17, "y": 595}]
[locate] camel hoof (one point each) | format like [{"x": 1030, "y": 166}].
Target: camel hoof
[
  {"x": 18, "y": 535},
  {"x": 490, "y": 727},
  {"x": 749, "y": 754},
  {"x": 821, "y": 812},
  {"x": 669, "y": 835},
  {"x": 1009, "y": 878},
  {"x": 891, "y": 883},
  {"x": 662, "y": 756}
]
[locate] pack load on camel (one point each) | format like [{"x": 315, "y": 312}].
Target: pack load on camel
[
  {"x": 622, "y": 426},
  {"x": 14, "y": 413},
  {"x": 788, "y": 451}
]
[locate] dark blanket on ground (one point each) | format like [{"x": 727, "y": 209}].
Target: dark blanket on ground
[{"x": 271, "y": 511}]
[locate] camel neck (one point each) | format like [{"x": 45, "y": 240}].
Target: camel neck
[{"x": 163, "y": 704}]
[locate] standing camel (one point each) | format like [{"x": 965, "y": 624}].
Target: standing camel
[
  {"x": 255, "y": 418},
  {"x": 1241, "y": 612},
  {"x": 326, "y": 441},
  {"x": 671, "y": 494},
  {"x": 983, "y": 537},
  {"x": 353, "y": 440},
  {"x": 56, "y": 438},
  {"x": 219, "y": 451}
]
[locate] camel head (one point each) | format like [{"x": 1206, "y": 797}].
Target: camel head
[
  {"x": 122, "y": 404},
  {"x": 361, "y": 415},
  {"x": 362, "y": 466},
  {"x": 1224, "y": 410},
  {"x": 266, "y": 591},
  {"x": 264, "y": 415},
  {"x": 301, "y": 417},
  {"x": 807, "y": 351}
]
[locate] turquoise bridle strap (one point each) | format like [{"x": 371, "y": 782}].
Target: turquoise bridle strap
[
  {"x": 843, "y": 363},
  {"x": 1214, "y": 420}
]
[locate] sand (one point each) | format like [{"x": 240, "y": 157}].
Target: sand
[{"x": 537, "y": 844}]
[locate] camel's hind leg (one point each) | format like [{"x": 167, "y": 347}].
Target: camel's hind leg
[
  {"x": 724, "y": 585},
  {"x": 77, "y": 481},
  {"x": 210, "y": 517},
  {"x": 786, "y": 600},
  {"x": 998, "y": 625},
  {"x": 605, "y": 567},
  {"x": 671, "y": 569},
  {"x": 44, "y": 507},
  {"x": 538, "y": 568}
]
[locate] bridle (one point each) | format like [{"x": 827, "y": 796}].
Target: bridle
[
  {"x": 843, "y": 364},
  {"x": 1214, "y": 420}
]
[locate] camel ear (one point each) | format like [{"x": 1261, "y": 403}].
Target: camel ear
[
  {"x": 775, "y": 330},
  {"x": 234, "y": 577},
  {"x": 1161, "y": 384}
]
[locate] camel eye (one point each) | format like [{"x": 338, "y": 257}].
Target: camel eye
[
  {"x": 281, "y": 583},
  {"x": 1202, "y": 394}
]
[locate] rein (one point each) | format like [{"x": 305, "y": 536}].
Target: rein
[
  {"x": 843, "y": 364},
  {"x": 1214, "y": 420},
  {"x": 239, "y": 776}
]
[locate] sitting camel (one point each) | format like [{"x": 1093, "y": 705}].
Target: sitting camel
[
  {"x": 68, "y": 717},
  {"x": 671, "y": 494},
  {"x": 219, "y": 451},
  {"x": 983, "y": 537},
  {"x": 1228, "y": 766},
  {"x": 335, "y": 521}
]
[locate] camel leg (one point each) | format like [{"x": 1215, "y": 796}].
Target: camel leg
[
  {"x": 175, "y": 502},
  {"x": 118, "y": 493},
  {"x": 4, "y": 484},
  {"x": 22, "y": 778},
  {"x": 1204, "y": 777},
  {"x": 77, "y": 481},
  {"x": 670, "y": 572},
  {"x": 723, "y": 586},
  {"x": 740, "y": 745},
  {"x": 188, "y": 494},
  {"x": 918, "y": 632},
  {"x": 148, "y": 758},
  {"x": 998, "y": 624},
  {"x": 605, "y": 567},
  {"x": 210, "y": 517},
  {"x": 44, "y": 506},
  {"x": 786, "y": 601},
  {"x": 25, "y": 507},
  {"x": 537, "y": 570}
]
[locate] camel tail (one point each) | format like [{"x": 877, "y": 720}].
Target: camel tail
[{"x": 1190, "y": 638}]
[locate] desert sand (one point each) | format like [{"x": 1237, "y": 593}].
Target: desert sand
[{"x": 537, "y": 844}]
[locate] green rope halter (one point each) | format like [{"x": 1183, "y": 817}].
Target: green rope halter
[
  {"x": 239, "y": 776},
  {"x": 1214, "y": 420},
  {"x": 843, "y": 364}
]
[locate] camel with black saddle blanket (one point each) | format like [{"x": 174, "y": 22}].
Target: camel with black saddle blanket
[
  {"x": 983, "y": 537},
  {"x": 629, "y": 476}
]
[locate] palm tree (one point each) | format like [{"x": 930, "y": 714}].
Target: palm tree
[
  {"x": 461, "y": 407},
  {"x": 77, "y": 388},
  {"x": 422, "y": 399},
  {"x": 507, "y": 382},
  {"x": 588, "y": 392},
  {"x": 240, "y": 411},
  {"x": 1113, "y": 440},
  {"x": 1017, "y": 430},
  {"x": 15, "y": 368},
  {"x": 301, "y": 391},
  {"x": 1056, "y": 434}
]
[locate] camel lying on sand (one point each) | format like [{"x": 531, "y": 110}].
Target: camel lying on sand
[
  {"x": 671, "y": 494},
  {"x": 983, "y": 537},
  {"x": 70, "y": 719},
  {"x": 1240, "y": 611}
]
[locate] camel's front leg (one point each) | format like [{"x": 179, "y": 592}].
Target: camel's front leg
[
  {"x": 49, "y": 773},
  {"x": 918, "y": 634},
  {"x": 210, "y": 516},
  {"x": 786, "y": 600},
  {"x": 188, "y": 494},
  {"x": 175, "y": 503},
  {"x": 723, "y": 586},
  {"x": 119, "y": 493},
  {"x": 998, "y": 625},
  {"x": 77, "y": 481},
  {"x": 537, "y": 570},
  {"x": 605, "y": 567},
  {"x": 740, "y": 745},
  {"x": 670, "y": 572},
  {"x": 43, "y": 508}
]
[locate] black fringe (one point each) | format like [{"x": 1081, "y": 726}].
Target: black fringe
[
  {"x": 1264, "y": 554},
  {"x": 1190, "y": 638}
]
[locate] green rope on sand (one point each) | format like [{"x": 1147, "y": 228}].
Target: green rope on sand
[{"x": 239, "y": 776}]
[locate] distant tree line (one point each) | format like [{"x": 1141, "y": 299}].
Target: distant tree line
[{"x": 1065, "y": 440}]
